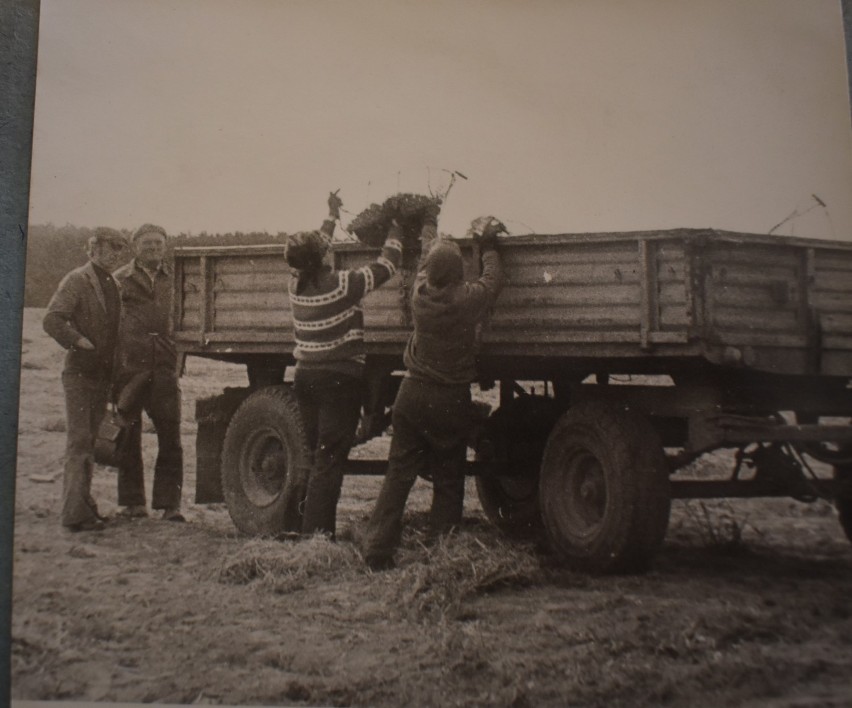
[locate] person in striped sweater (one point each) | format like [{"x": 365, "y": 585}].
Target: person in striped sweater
[{"x": 330, "y": 355}]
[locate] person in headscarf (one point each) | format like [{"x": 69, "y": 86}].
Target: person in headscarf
[
  {"x": 330, "y": 355},
  {"x": 432, "y": 414}
]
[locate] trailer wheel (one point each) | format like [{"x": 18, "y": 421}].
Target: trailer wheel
[
  {"x": 513, "y": 443},
  {"x": 604, "y": 489},
  {"x": 265, "y": 463}
]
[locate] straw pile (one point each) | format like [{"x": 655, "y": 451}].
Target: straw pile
[{"x": 287, "y": 566}]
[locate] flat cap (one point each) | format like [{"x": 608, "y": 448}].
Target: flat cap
[{"x": 149, "y": 229}]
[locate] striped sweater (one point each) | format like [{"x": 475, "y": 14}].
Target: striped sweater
[{"x": 327, "y": 317}]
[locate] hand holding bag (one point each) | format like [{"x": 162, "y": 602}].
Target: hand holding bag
[{"x": 110, "y": 438}]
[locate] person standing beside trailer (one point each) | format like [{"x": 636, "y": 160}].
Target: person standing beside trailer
[
  {"x": 432, "y": 414},
  {"x": 83, "y": 317},
  {"x": 330, "y": 356},
  {"x": 148, "y": 377}
]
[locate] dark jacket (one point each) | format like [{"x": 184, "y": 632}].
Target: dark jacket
[
  {"x": 146, "y": 333},
  {"x": 78, "y": 309},
  {"x": 444, "y": 344}
]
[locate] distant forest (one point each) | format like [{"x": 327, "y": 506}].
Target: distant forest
[{"x": 54, "y": 250}]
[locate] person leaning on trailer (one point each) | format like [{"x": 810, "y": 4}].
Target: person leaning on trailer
[
  {"x": 147, "y": 377},
  {"x": 330, "y": 356},
  {"x": 83, "y": 317},
  {"x": 432, "y": 414}
]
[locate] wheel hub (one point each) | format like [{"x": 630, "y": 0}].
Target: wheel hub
[
  {"x": 265, "y": 467},
  {"x": 585, "y": 486}
]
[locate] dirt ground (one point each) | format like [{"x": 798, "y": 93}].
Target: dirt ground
[{"x": 749, "y": 603}]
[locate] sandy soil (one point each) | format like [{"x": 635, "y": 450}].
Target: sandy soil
[{"x": 150, "y": 611}]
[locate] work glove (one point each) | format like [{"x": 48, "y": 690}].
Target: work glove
[
  {"x": 431, "y": 212},
  {"x": 485, "y": 232},
  {"x": 334, "y": 204}
]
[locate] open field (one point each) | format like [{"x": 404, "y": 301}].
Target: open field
[{"x": 749, "y": 602}]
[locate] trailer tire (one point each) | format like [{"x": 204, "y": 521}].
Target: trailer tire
[
  {"x": 513, "y": 442},
  {"x": 265, "y": 463},
  {"x": 604, "y": 490}
]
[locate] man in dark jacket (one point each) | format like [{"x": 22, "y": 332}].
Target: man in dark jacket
[
  {"x": 148, "y": 377},
  {"x": 83, "y": 317},
  {"x": 432, "y": 414}
]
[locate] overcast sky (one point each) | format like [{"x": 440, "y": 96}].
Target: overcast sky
[{"x": 565, "y": 116}]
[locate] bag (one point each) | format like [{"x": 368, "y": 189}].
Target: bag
[{"x": 110, "y": 439}]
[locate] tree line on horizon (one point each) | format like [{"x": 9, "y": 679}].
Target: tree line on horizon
[{"x": 52, "y": 251}]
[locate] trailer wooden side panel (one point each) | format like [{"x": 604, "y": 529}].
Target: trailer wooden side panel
[{"x": 769, "y": 303}]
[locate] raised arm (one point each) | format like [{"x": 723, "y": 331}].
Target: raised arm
[
  {"x": 484, "y": 291},
  {"x": 373, "y": 275},
  {"x": 428, "y": 232},
  {"x": 334, "y": 204}
]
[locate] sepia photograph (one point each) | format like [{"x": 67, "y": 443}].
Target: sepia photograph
[{"x": 474, "y": 353}]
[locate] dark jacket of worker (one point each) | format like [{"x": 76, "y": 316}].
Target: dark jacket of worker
[{"x": 447, "y": 312}]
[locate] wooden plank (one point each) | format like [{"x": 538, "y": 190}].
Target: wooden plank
[
  {"x": 530, "y": 336},
  {"x": 647, "y": 290},
  {"x": 268, "y": 265},
  {"x": 749, "y": 273},
  {"x": 557, "y": 322},
  {"x": 567, "y": 296},
  {"x": 252, "y": 282},
  {"x": 839, "y": 281},
  {"x": 263, "y": 301},
  {"x": 206, "y": 299},
  {"x": 757, "y": 297},
  {"x": 672, "y": 293},
  {"x": 551, "y": 317},
  {"x": 557, "y": 274},
  {"x": 674, "y": 316},
  {"x": 756, "y": 321},
  {"x": 285, "y": 336},
  {"x": 839, "y": 342},
  {"x": 191, "y": 267},
  {"x": 725, "y": 255},
  {"x": 832, "y": 302},
  {"x": 836, "y": 323}
]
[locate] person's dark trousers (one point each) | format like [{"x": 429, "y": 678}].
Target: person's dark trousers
[
  {"x": 330, "y": 405},
  {"x": 85, "y": 405},
  {"x": 160, "y": 399},
  {"x": 431, "y": 423}
]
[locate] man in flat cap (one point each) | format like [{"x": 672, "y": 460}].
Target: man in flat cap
[
  {"x": 147, "y": 377},
  {"x": 83, "y": 317}
]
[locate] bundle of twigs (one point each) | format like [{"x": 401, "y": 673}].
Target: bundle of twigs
[{"x": 371, "y": 225}]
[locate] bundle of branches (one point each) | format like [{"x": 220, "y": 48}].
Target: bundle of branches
[{"x": 371, "y": 225}]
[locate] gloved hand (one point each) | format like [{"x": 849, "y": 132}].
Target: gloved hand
[
  {"x": 486, "y": 235},
  {"x": 432, "y": 211},
  {"x": 334, "y": 204}
]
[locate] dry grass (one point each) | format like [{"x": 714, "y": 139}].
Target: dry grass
[
  {"x": 437, "y": 581},
  {"x": 431, "y": 582},
  {"x": 287, "y": 566},
  {"x": 719, "y": 523}
]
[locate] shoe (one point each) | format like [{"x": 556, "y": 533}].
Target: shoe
[
  {"x": 89, "y": 525},
  {"x": 380, "y": 563},
  {"x": 172, "y": 514},
  {"x": 134, "y": 511}
]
